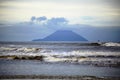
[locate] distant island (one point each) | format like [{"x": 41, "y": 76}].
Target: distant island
[{"x": 63, "y": 35}]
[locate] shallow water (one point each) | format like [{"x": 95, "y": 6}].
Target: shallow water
[{"x": 29, "y": 67}]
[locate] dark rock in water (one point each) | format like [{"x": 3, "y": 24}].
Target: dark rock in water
[{"x": 63, "y": 35}]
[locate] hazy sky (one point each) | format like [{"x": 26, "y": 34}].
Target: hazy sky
[
  {"x": 25, "y": 20},
  {"x": 92, "y": 12}
]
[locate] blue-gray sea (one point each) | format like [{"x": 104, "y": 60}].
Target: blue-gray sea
[{"x": 61, "y": 58}]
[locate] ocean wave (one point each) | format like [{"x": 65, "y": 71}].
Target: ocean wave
[
  {"x": 107, "y": 62},
  {"x": 7, "y": 49},
  {"x": 53, "y": 52},
  {"x": 83, "y": 55},
  {"x": 72, "y": 57},
  {"x": 111, "y": 44},
  {"x": 21, "y": 49}
]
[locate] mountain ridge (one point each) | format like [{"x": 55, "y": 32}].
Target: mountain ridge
[{"x": 63, "y": 35}]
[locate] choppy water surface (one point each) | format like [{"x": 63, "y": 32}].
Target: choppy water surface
[
  {"x": 61, "y": 58},
  {"x": 26, "y": 67}
]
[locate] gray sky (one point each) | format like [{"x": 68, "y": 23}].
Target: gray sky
[
  {"x": 92, "y": 12},
  {"x": 25, "y": 20}
]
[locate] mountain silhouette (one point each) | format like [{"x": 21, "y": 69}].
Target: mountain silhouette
[{"x": 63, "y": 35}]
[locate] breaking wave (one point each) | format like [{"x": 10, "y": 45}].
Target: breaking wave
[
  {"x": 52, "y": 52},
  {"x": 111, "y": 44},
  {"x": 104, "y": 55}
]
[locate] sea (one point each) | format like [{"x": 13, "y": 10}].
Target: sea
[{"x": 100, "y": 59}]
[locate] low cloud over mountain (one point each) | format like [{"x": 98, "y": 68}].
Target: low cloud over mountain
[{"x": 40, "y": 27}]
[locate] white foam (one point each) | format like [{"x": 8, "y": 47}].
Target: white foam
[
  {"x": 111, "y": 44},
  {"x": 56, "y": 56},
  {"x": 82, "y": 53},
  {"x": 6, "y": 49},
  {"x": 45, "y": 52},
  {"x": 26, "y": 49},
  {"x": 21, "y": 49}
]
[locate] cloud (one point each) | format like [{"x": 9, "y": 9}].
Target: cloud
[
  {"x": 57, "y": 21},
  {"x": 33, "y": 18},
  {"x": 37, "y": 20},
  {"x": 41, "y": 18},
  {"x": 102, "y": 10},
  {"x": 44, "y": 21},
  {"x": 26, "y": 31}
]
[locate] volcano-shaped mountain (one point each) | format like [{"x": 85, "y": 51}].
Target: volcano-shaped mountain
[{"x": 63, "y": 35}]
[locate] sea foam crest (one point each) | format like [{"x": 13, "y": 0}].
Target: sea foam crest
[{"x": 111, "y": 44}]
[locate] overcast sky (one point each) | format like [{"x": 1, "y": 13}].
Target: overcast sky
[
  {"x": 24, "y": 20},
  {"x": 92, "y": 12}
]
